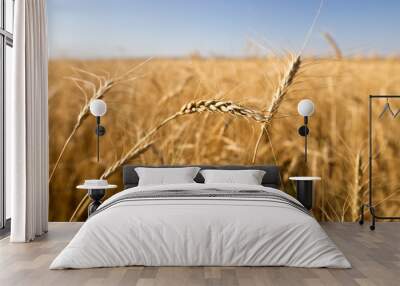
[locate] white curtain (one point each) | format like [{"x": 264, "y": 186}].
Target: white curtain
[{"x": 27, "y": 123}]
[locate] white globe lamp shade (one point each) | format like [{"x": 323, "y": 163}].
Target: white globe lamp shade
[
  {"x": 305, "y": 107},
  {"x": 98, "y": 107}
]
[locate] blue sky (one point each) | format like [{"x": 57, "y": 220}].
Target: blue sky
[{"x": 137, "y": 28}]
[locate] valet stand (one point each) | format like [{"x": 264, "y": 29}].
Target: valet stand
[{"x": 370, "y": 205}]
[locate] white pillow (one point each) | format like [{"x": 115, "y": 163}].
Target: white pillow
[
  {"x": 248, "y": 177},
  {"x": 165, "y": 176}
]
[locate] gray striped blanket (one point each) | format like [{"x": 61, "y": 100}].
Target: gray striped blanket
[{"x": 205, "y": 194}]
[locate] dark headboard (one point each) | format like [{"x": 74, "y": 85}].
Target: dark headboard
[{"x": 271, "y": 177}]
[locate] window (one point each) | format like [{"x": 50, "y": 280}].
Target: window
[{"x": 6, "y": 43}]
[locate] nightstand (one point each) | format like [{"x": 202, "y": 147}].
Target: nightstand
[
  {"x": 304, "y": 186},
  {"x": 96, "y": 190}
]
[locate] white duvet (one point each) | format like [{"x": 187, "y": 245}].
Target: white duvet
[{"x": 200, "y": 231}]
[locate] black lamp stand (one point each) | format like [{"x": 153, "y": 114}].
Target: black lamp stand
[
  {"x": 100, "y": 131},
  {"x": 304, "y": 131},
  {"x": 96, "y": 195}
]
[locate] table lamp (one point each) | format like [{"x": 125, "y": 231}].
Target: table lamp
[
  {"x": 305, "y": 109},
  {"x": 98, "y": 108}
]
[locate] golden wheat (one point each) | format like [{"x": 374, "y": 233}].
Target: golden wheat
[{"x": 339, "y": 90}]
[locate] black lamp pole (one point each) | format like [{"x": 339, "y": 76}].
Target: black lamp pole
[
  {"x": 304, "y": 131},
  {"x": 100, "y": 131}
]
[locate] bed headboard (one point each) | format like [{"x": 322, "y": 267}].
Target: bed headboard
[{"x": 271, "y": 177}]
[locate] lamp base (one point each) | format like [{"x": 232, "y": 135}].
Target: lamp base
[
  {"x": 305, "y": 193},
  {"x": 96, "y": 195},
  {"x": 100, "y": 130},
  {"x": 303, "y": 130}
]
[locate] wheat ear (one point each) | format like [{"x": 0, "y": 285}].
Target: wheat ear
[
  {"x": 278, "y": 97},
  {"x": 331, "y": 41},
  {"x": 220, "y": 106}
]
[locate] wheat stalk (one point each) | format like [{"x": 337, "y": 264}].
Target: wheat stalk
[
  {"x": 331, "y": 41},
  {"x": 278, "y": 97},
  {"x": 193, "y": 107},
  {"x": 357, "y": 187}
]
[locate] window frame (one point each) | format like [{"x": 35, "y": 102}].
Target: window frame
[{"x": 6, "y": 39}]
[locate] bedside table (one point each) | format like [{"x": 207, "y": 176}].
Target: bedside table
[
  {"x": 96, "y": 193},
  {"x": 304, "y": 186}
]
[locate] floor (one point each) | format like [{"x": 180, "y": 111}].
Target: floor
[
  {"x": 375, "y": 257},
  {"x": 5, "y": 231}
]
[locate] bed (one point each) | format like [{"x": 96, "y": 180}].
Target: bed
[{"x": 198, "y": 224}]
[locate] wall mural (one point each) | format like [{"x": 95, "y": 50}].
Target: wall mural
[{"x": 199, "y": 108}]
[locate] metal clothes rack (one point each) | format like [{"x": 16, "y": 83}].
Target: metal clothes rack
[{"x": 370, "y": 193}]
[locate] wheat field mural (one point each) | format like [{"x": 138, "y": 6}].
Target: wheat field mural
[{"x": 198, "y": 110}]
